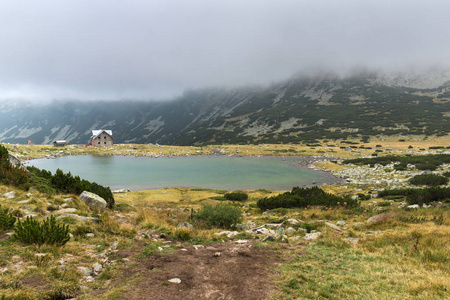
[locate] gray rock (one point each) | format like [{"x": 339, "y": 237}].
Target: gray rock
[
  {"x": 242, "y": 227},
  {"x": 93, "y": 201},
  {"x": 120, "y": 191},
  {"x": 175, "y": 280},
  {"x": 10, "y": 195},
  {"x": 81, "y": 218},
  {"x": 65, "y": 211},
  {"x": 269, "y": 238},
  {"x": 68, "y": 199},
  {"x": 293, "y": 221},
  {"x": 340, "y": 223},
  {"x": 312, "y": 236},
  {"x": 97, "y": 267},
  {"x": 268, "y": 214},
  {"x": 184, "y": 225},
  {"x": 290, "y": 231},
  {"x": 85, "y": 271},
  {"x": 114, "y": 245},
  {"x": 334, "y": 226},
  {"x": 375, "y": 219},
  {"x": 414, "y": 206},
  {"x": 90, "y": 235}
]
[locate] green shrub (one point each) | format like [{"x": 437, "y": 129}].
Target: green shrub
[
  {"x": 429, "y": 179},
  {"x": 7, "y": 219},
  {"x": 446, "y": 174},
  {"x": 221, "y": 216},
  {"x": 236, "y": 196},
  {"x": 44, "y": 181},
  {"x": 419, "y": 196},
  {"x": 10, "y": 174},
  {"x": 303, "y": 197},
  {"x": 49, "y": 232}
]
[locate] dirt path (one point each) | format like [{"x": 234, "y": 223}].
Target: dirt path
[{"x": 217, "y": 271}]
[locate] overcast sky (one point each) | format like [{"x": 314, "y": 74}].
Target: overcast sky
[{"x": 153, "y": 49}]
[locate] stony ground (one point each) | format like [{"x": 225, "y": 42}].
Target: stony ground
[{"x": 229, "y": 270}]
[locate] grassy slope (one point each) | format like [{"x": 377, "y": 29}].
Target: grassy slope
[{"x": 395, "y": 258}]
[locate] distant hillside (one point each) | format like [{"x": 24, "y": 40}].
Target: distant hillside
[{"x": 300, "y": 109}]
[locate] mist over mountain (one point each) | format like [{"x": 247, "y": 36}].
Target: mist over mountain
[{"x": 303, "y": 108}]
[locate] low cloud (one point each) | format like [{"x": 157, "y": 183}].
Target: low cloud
[{"x": 111, "y": 49}]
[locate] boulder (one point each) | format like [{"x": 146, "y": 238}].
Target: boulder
[
  {"x": 340, "y": 223},
  {"x": 93, "y": 201},
  {"x": 10, "y": 195}
]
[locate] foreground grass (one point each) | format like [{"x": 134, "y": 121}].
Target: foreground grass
[{"x": 400, "y": 261}]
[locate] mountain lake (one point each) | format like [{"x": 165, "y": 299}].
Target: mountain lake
[{"x": 214, "y": 172}]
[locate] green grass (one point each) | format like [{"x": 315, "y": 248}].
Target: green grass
[{"x": 332, "y": 269}]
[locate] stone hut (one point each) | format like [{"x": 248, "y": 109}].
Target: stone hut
[
  {"x": 102, "y": 138},
  {"x": 61, "y": 143}
]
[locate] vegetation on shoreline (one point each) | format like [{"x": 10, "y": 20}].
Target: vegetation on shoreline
[
  {"x": 422, "y": 162},
  {"x": 305, "y": 197}
]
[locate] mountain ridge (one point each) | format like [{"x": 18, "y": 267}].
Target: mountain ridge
[{"x": 302, "y": 108}]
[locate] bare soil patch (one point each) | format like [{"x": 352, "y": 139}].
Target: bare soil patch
[{"x": 216, "y": 271}]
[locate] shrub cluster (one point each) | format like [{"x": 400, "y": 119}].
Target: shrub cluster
[
  {"x": 304, "y": 197},
  {"x": 221, "y": 216},
  {"x": 419, "y": 196},
  {"x": 236, "y": 196},
  {"x": 429, "y": 179},
  {"x": 9, "y": 174},
  {"x": 62, "y": 182},
  {"x": 7, "y": 219},
  {"x": 422, "y": 162},
  {"x": 31, "y": 231}
]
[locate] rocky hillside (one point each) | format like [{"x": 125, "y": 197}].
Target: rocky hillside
[{"x": 299, "y": 109}]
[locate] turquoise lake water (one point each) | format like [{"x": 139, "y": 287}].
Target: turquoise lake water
[{"x": 215, "y": 172}]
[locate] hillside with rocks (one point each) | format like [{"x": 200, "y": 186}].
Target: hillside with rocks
[{"x": 304, "y": 108}]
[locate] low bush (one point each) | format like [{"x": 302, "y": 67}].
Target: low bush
[
  {"x": 304, "y": 197},
  {"x": 236, "y": 196},
  {"x": 221, "y": 216},
  {"x": 10, "y": 174},
  {"x": 7, "y": 219},
  {"x": 419, "y": 196},
  {"x": 429, "y": 179},
  {"x": 49, "y": 232}
]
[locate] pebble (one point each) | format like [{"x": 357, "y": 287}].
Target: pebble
[{"x": 175, "y": 280}]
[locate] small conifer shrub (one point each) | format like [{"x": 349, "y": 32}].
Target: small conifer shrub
[
  {"x": 236, "y": 196},
  {"x": 31, "y": 231},
  {"x": 7, "y": 219}
]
